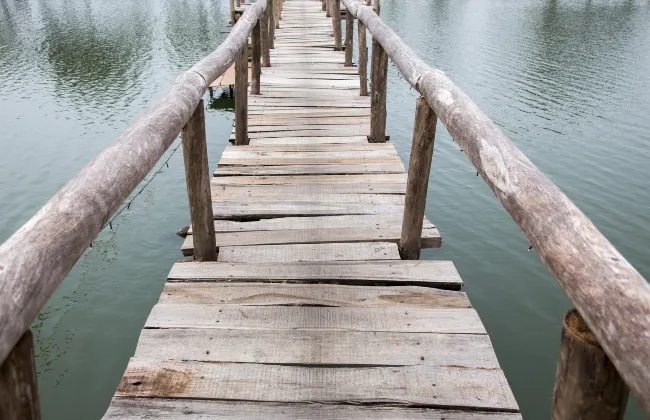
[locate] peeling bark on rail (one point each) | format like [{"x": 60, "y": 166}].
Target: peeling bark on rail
[
  {"x": 612, "y": 297},
  {"x": 35, "y": 259}
]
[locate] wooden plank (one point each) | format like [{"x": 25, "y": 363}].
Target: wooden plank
[
  {"x": 285, "y": 318},
  {"x": 310, "y": 179},
  {"x": 310, "y": 252},
  {"x": 139, "y": 408},
  {"x": 315, "y": 198},
  {"x": 309, "y": 140},
  {"x": 336, "y": 132},
  {"x": 267, "y": 209},
  {"x": 430, "y": 238},
  {"x": 441, "y": 274},
  {"x": 234, "y": 152},
  {"x": 318, "y": 347},
  {"x": 311, "y": 169},
  {"x": 388, "y": 147},
  {"x": 322, "y": 222},
  {"x": 321, "y": 159},
  {"x": 335, "y": 188},
  {"x": 449, "y": 386},
  {"x": 294, "y": 294}
]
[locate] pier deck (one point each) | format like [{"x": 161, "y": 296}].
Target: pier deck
[{"x": 309, "y": 311}]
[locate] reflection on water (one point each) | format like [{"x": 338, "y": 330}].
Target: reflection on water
[{"x": 568, "y": 81}]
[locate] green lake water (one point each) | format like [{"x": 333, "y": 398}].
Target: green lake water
[{"x": 567, "y": 81}]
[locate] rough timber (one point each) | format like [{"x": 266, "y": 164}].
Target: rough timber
[{"x": 309, "y": 311}]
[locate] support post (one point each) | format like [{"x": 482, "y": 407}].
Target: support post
[
  {"x": 232, "y": 12},
  {"x": 424, "y": 133},
  {"x": 587, "y": 385},
  {"x": 377, "y": 7},
  {"x": 18, "y": 386},
  {"x": 378, "y": 93},
  {"x": 363, "y": 59},
  {"x": 197, "y": 178},
  {"x": 271, "y": 9},
  {"x": 241, "y": 97},
  {"x": 349, "y": 37},
  {"x": 278, "y": 10},
  {"x": 328, "y": 8},
  {"x": 324, "y": 5},
  {"x": 256, "y": 44},
  {"x": 238, "y": 3},
  {"x": 264, "y": 29},
  {"x": 336, "y": 24}
]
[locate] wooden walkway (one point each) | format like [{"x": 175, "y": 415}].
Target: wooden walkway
[{"x": 309, "y": 312}]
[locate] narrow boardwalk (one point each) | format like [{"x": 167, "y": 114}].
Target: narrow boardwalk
[{"x": 309, "y": 311}]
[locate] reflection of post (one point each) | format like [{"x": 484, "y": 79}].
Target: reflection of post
[
  {"x": 349, "y": 35},
  {"x": 19, "y": 390},
  {"x": 424, "y": 133},
  {"x": 256, "y": 44},
  {"x": 197, "y": 177},
  {"x": 241, "y": 97},
  {"x": 587, "y": 385},
  {"x": 378, "y": 93},
  {"x": 336, "y": 24}
]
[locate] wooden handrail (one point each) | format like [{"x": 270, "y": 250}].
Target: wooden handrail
[
  {"x": 35, "y": 259},
  {"x": 612, "y": 297}
]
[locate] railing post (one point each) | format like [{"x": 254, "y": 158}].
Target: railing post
[
  {"x": 424, "y": 133},
  {"x": 264, "y": 29},
  {"x": 18, "y": 386},
  {"x": 363, "y": 57},
  {"x": 197, "y": 178},
  {"x": 324, "y": 5},
  {"x": 349, "y": 37},
  {"x": 378, "y": 93},
  {"x": 232, "y": 12},
  {"x": 336, "y": 24},
  {"x": 241, "y": 97},
  {"x": 328, "y": 8},
  {"x": 271, "y": 8},
  {"x": 256, "y": 44},
  {"x": 278, "y": 10},
  {"x": 587, "y": 385}
]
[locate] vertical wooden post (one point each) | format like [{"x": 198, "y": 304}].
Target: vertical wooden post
[
  {"x": 378, "y": 93},
  {"x": 271, "y": 8},
  {"x": 349, "y": 37},
  {"x": 328, "y": 8},
  {"x": 18, "y": 386},
  {"x": 377, "y": 7},
  {"x": 324, "y": 5},
  {"x": 256, "y": 44},
  {"x": 277, "y": 13},
  {"x": 238, "y": 3},
  {"x": 197, "y": 178},
  {"x": 424, "y": 133},
  {"x": 264, "y": 28},
  {"x": 363, "y": 59},
  {"x": 336, "y": 24},
  {"x": 587, "y": 385},
  {"x": 241, "y": 97},
  {"x": 232, "y": 12}
]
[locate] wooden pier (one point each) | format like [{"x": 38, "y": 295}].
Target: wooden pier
[
  {"x": 305, "y": 297},
  {"x": 309, "y": 311}
]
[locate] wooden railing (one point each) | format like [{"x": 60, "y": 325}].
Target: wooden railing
[
  {"x": 611, "y": 297},
  {"x": 35, "y": 259}
]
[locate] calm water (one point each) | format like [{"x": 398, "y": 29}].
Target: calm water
[{"x": 567, "y": 81}]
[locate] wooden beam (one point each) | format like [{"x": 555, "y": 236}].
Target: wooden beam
[
  {"x": 264, "y": 29},
  {"x": 241, "y": 97},
  {"x": 336, "y": 24},
  {"x": 424, "y": 133},
  {"x": 18, "y": 388},
  {"x": 256, "y": 44},
  {"x": 349, "y": 37},
  {"x": 363, "y": 59},
  {"x": 378, "y": 93},
  {"x": 587, "y": 385},
  {"x": 197, "y": 177},
  {"x": 271, "y": 24}
]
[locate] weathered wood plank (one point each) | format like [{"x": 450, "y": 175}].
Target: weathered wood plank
[
  {"x": 441, "y": 274},
  {"x": 309, "y": 140},
  {"x": 315, "y": 198},
  {"x": 311, "y": 169},
  {"x": 310, "y": 252},
  {"x": 318, "y": 347},
  {"x": 430, "y": 238},
  {"x": 454, "y": 386},
  {"x": 268, "y": 150},
  {"x": 295, "y": 294},
  {"x": 234, "y": 152},
  {"x": 321, "y": 222},
  {"x": 283, "y": 318},
  {"x": 301, "y": 189},
  {"x": 266, "y": 209},
  {"x": 399, "y": 178},
  {"x": 139, "y": 408}
]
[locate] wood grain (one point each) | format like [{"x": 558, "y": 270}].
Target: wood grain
[{"x": 310, "y": 252}]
